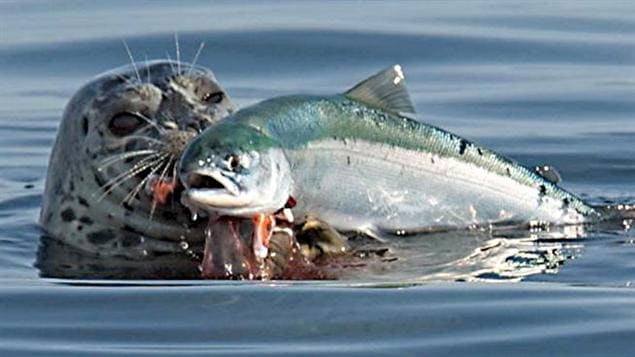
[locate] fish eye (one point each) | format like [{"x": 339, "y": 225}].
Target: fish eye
[
  {"x": 213, "y": 98},
  {"x": 233, "y": 162},
  {"x": 123, "y": 124}
]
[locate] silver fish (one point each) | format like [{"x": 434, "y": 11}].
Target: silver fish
[{"x": 361, "y": 162}]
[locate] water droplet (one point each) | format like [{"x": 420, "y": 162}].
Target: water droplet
[
  {"x": 229, "y": 269},
  {"x": 261, "y": 251}
]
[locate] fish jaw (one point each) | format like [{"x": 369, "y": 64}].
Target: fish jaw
[{"x": 221, "y": 202}]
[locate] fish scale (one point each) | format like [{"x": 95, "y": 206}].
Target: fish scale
[{"x": 385, "y": 135}]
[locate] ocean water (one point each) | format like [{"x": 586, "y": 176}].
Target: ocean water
[{"x": 542, "y": 82}]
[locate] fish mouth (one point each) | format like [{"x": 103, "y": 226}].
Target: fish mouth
[
  {"x": 211, "y": 189},
  {"x": 210, "y": 180}
]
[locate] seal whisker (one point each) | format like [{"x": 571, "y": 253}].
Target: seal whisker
[
  {"x": 142, "y": 164},
  {"x": 161, "y": 177},
  {"x": 131, "y": 195},
  {"x": 198, "y": 53},
  {"x": 132, "y": 61},
  {"x": 139, "y": 163},
  {"x": 165, "y": 170},
  {"x": 146, "y": 138},
  {"x": 148, "y": 128},
  {"x": 114, "y": 183},
  {"x": 121, "y": 142},
  {"x": 118, "y": 157},
  {"x": 125, "y": 176},
  {"x": 125, "y": 79},
  {"x": 178, "y": 52},
  {"x": 149, "y": 77},
  {"x": 152, "y": 123},
  {"x": 153, "y": 208},
  {"x": 167, "y": 54},
  {"x": 174, "y": 176}
]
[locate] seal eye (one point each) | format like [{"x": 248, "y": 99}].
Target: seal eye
[
  {"x": 213, "y": 98},
  {"x": 125, "y": 124}
]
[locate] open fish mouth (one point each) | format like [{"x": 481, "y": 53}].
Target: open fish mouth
[{"x": 207, "y": 188}]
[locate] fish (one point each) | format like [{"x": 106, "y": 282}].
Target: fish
[{"x": 363, "y": 162}]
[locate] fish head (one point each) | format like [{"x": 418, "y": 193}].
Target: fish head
[{"x": 235, "y": 169}]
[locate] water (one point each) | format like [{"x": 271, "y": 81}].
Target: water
[{"x": 541, "y": 82}]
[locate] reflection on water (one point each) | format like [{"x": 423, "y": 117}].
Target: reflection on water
[
  {"x": 513, "y": 258},
  {"x": 479, "y": 255},
  {"x": 56, "y": 259}
]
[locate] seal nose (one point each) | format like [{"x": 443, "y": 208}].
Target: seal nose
[
  {"x": 198, "y": 123},
  {"x": 193, "y": 124}
]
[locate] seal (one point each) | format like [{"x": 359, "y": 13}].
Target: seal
[{"x": 117, "y": 142}]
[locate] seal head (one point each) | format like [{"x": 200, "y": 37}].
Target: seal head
[{"x": 120, "y": 136}]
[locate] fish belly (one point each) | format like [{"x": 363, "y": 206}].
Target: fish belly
[{"x": 365, "y": 186}]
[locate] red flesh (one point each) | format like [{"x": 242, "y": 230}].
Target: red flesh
[{"x": 161, "y": 189}]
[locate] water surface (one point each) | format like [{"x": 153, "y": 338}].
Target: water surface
[{"x": 541, "y": 82}]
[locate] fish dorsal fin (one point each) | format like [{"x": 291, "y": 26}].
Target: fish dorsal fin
[
  {"x": 386, "y": 90},
  {"x": 549, "y": 173}
]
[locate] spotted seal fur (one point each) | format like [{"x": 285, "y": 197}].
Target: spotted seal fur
[{"x": 118, "y": 132}]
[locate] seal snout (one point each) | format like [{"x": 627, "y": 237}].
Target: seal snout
[{"x": 176, "y": 140}]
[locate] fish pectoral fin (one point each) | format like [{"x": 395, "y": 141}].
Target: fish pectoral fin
[
  {"x": 549, "y": 173},
  {"x": 386, "y": 90}
]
